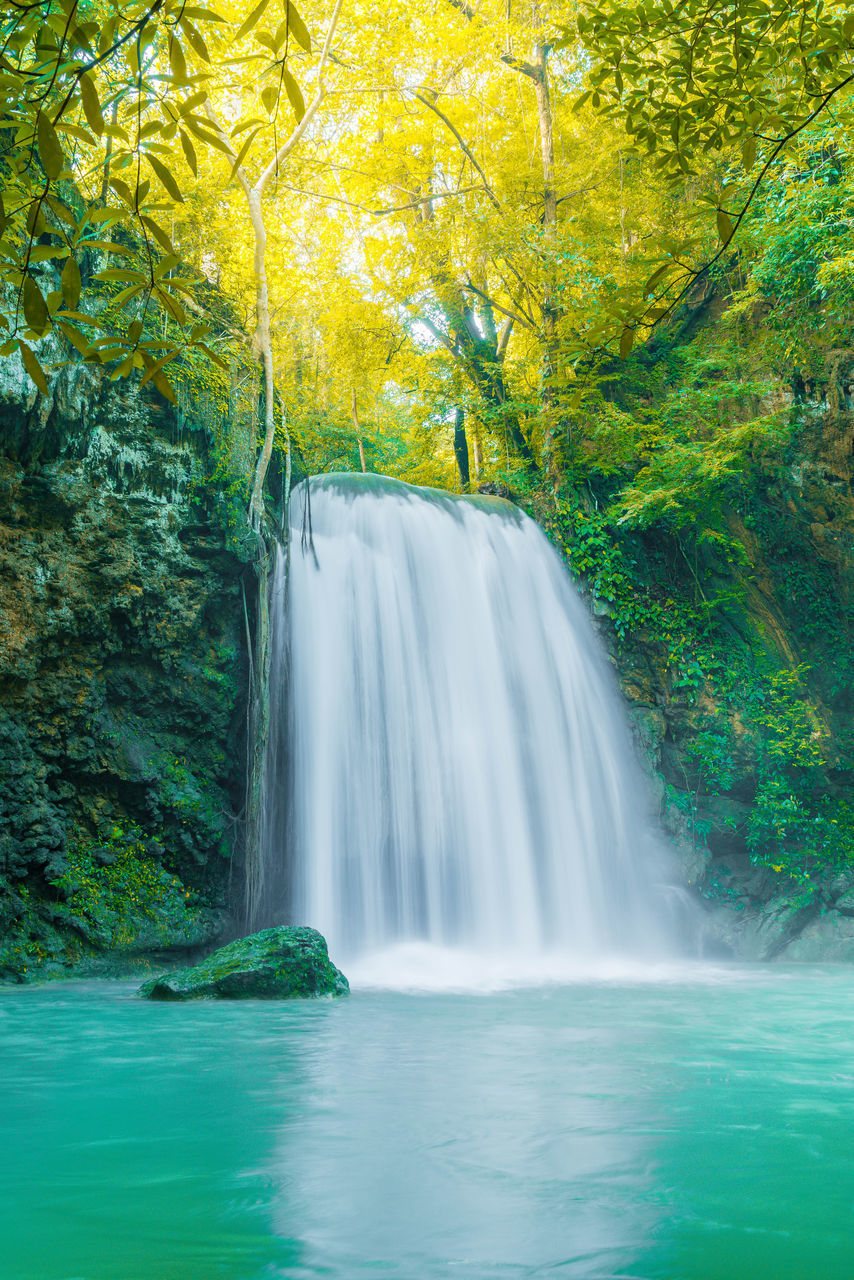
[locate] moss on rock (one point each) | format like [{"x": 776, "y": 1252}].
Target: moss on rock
[{"x": 283, "y": 963}]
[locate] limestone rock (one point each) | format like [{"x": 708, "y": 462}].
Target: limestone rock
[{"x": 283, "y": 963}]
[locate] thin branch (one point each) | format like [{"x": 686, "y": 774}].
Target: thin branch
[
  {"x": 463, "y": 147},
  {"x": 378, "y": 213}
]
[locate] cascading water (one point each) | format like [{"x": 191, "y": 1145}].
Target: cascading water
[{"x": 448, "y": 762}]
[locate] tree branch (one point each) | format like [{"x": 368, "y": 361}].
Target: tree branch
[
  {"x": 463, "y": 147},
  {"x": 471, "y": 288}
]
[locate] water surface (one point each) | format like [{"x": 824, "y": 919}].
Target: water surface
[{"x": 668, "y": 1128}]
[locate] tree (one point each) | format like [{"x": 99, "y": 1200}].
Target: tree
[
  {"x": 150, "y": 64},
  {"x": 737, "y": 82}
]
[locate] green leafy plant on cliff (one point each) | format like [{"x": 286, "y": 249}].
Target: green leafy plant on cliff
[
  {"x": 118, "y": 895},
  {"x": 794, "y": 826}
]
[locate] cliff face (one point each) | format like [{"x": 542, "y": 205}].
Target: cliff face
[
  {"x": 122, "y": 678},
  {"x": 745, "y": 712}
]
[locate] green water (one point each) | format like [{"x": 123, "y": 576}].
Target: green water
[{"x": 694, "y": 1129}]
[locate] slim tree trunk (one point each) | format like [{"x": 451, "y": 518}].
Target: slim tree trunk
[
  {"x": 461, "y": 449},
  {"x": 263, "y": 345},
  {"x": 476, "y": 451},
  {"x": 549, "y": 308},
  {"x": 254, "y": 196},
  {"x": 354, "y": 414}
]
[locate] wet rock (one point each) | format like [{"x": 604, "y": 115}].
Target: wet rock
[
  {"x": 283, "y": 963},
  {"x": 828, "y": 938}
]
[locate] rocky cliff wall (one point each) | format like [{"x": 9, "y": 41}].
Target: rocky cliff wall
[
  {"x": 122, "y": 678},
  {"x": 738, "y": 671}
]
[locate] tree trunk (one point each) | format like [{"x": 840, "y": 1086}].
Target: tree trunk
[
  {"x": 263, "y": 345},
  {"x": 476, "y": 451},
  {"x": 461, "y": 449},
  {"x": 354, "y": 414},
  {"x": 549, "y": 368}
]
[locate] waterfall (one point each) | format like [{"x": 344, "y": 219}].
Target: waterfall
[{"x": 448, "y": 759}]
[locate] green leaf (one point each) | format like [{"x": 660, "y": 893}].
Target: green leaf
[
  {"x": 91, "y": 104},
  {"x": 171, "y": 306},
  {"x": 247, "y": 26},
  {"x": 654, "y": 278},
  {"x": 725, "y": 228},
  {"x": 269, "y": 98},
  {"x": 164, "y": 386},
  {"x": 33, "y": 367},
  {"x": 35, "y": 307},
  {"x": 108, "y": 246},
  {"x": 165, "y": 177},
  {"x": 75, "y": 337},
  {"x": 35, "y": 219},
  {"x": 119, "y": 273},
  {"x": 50, "y": 150},
  {"x": 132, "y": 291},
  {"x": 748, "y": 152},
  {"x": 189, "y": 152},
  {"x": 204, "y": 136},
  {"x": 71, "y": 283},
  {"x": 194, "y": 38},
  {"x": 195, "y": 100},
  {"x": 47, "y": 252},
  {"x": 124, "y": 191},
  {"x": 250, "y": 138},
  {"x": 160, "y": 235},
  {"x": 298, "y": 29},
  {"x": 212, "y": 355},
  {"x": 294, "y": 94},
  {"x": 176, "y": 61},
  {"x": 627, "y": 339},
  {"x": 62, "y": 211}
]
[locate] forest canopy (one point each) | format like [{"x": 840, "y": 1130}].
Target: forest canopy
[{"x": 424, "y": 233}]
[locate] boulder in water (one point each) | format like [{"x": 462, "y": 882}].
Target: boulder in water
[{"x": 284, "y": 963}]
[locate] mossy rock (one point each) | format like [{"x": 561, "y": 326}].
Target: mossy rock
[{"x": 285, "y": 963}]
